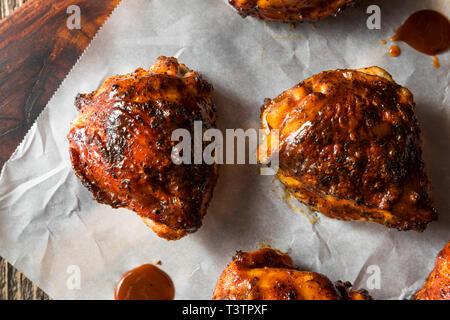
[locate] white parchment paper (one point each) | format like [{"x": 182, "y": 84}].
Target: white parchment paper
[{"x": 49, "y": 222}]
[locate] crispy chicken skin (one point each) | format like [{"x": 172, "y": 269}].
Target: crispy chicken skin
[
  {"x": 437, "y": 286},
  {"x": 350, "y": 148},
  {"x": 267, "y": 274},
  {"x": 121, "y": 147},
  {"x": 290, "y": 10}
]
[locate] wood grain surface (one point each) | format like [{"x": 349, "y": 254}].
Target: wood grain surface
[{"x": 37, "y": 50}]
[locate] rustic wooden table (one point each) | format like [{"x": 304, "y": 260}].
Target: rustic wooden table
[
  {"x": 45, "y": 61},
  {"x": 13, "y": 284}
]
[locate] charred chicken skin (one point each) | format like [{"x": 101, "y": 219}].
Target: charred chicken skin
[
  {"x": 437, "y": 286},
  {"x": 267, "y": 274},
  {"x": 350, "y": 148},
  {"x": 120, "y": 145},
  {"x": 290, "y": 10}
]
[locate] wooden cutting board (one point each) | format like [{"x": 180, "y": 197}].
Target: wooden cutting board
[{"x": 37, "y": 51}]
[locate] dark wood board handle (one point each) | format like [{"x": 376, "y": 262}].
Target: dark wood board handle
[{"x": 37, "y": 50}]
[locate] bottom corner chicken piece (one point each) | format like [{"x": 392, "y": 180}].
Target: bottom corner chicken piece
[
  {"x": 290, "y": 10},
  {"x": 437, "y": 286},
  {"x": 350, "y": 147},
  {"x": 121, "y": 148},
  {"x": 268, "y": 274}
]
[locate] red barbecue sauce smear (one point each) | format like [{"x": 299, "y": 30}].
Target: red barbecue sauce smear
[
  {"x": 146, "y": 282},
  {"x": 427, "y": 31}
]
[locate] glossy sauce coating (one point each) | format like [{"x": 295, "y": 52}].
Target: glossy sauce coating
[
  {"x": 290, "y": 10},
  {"x": 427, "y": 31},
  {"x": 437, "y": 286},
  {"x": 121, "y": 146},
  {"x": 268, "y": 274},
  {"x": 146, "y": 282},
  {"x": 350, "y": 148}
]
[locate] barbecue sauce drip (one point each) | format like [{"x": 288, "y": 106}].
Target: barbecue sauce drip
[
  {"x": 146, "y": 282},
  {"x": 436, "y": 62},
  {"x": 394, "y": 51},
  {"x": 427, "y": 31}
]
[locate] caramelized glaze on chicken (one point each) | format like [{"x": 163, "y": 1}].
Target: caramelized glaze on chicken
[
  {"x": 350, "y": 148},
  {"x": 267, "y": 274},
  {"x": 437, "y": 286},
  {"x": 121, "y": 147},
  {"x": 290, "y": 10}
]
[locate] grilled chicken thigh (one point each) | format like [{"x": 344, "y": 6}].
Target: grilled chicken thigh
[
  {"x": 267, "y": 274},
  {"x": 350, "y": 148},
  {"x": 290, "y": 10},
  {"x": 437, "y": 286},
  {"x": 121, "y": 147}
]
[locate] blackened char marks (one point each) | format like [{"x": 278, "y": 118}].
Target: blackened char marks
[{"x": 121, "y": 145}]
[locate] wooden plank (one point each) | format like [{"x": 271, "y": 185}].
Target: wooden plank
[
  {"x": 13, "y": 284},
  {"x": 8, "y": 6},
  {"x": 27, "y": 81},
  {"x": 27, "y": 288},
  {"x": 37, "y": 50},
  {"x": 3, "y": 279}
]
